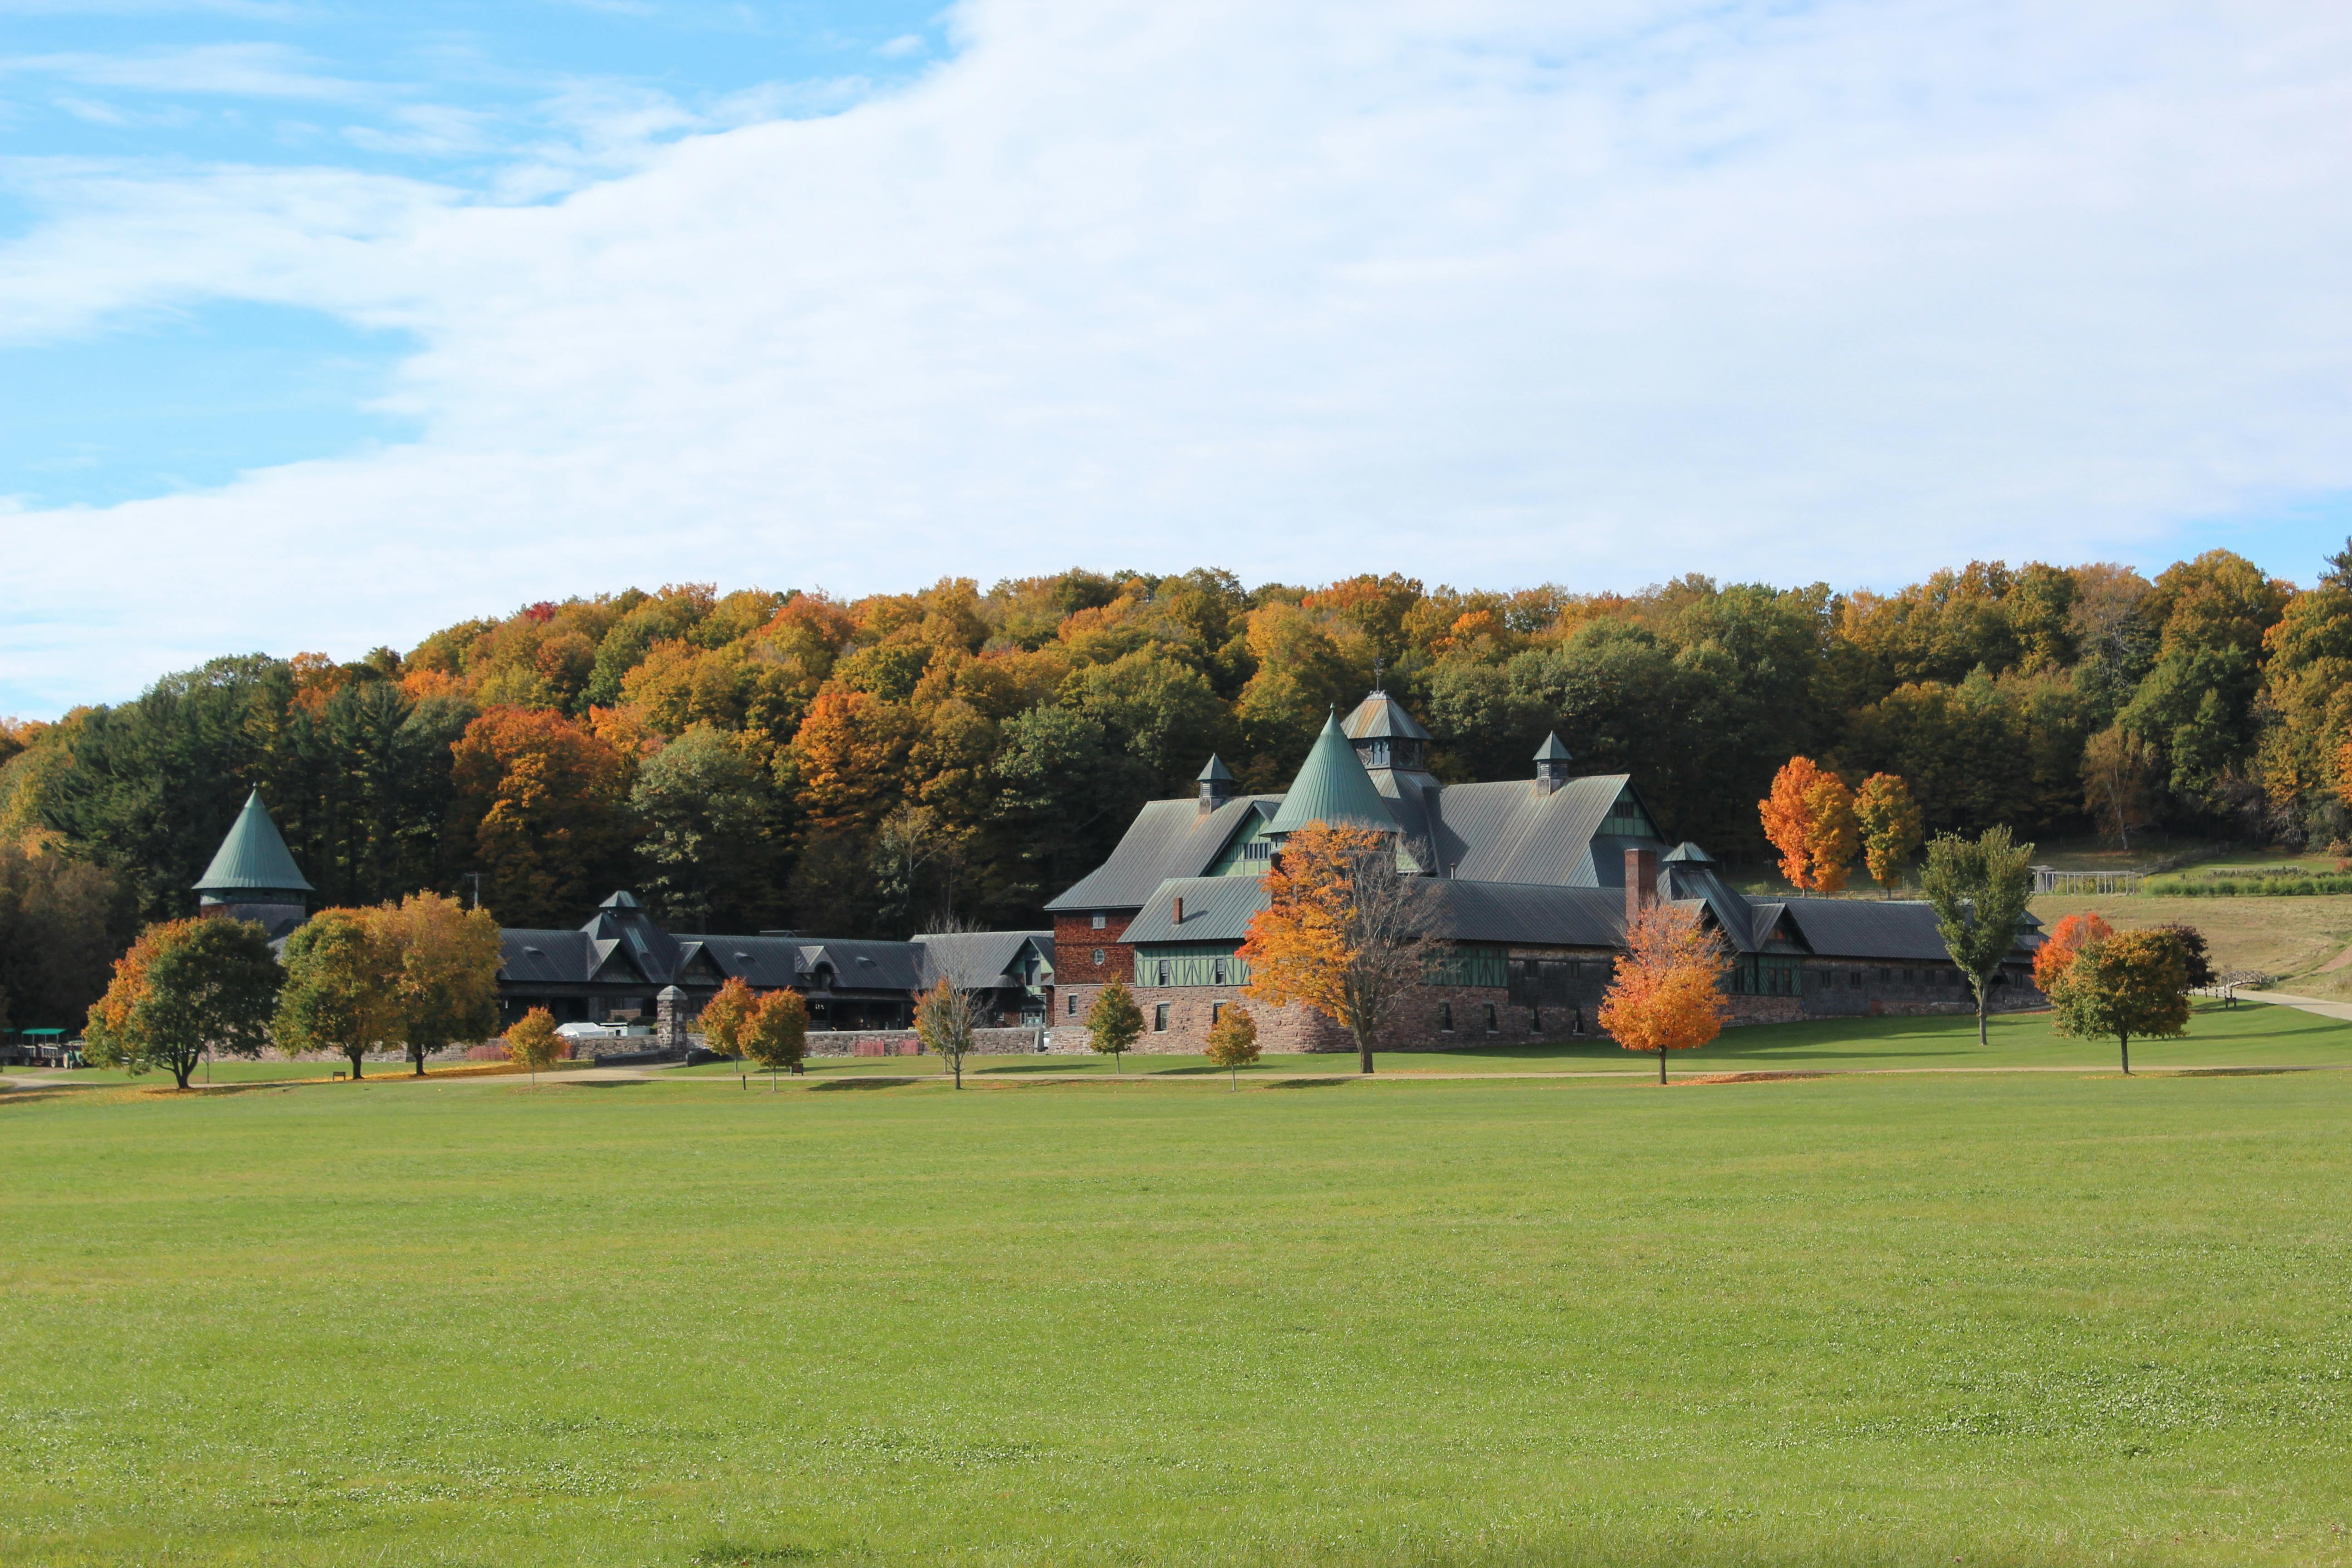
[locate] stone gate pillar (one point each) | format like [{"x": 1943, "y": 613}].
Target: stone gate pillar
[{"x": 669, "y": 1015}]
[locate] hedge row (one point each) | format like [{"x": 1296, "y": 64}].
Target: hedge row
[{"x": 2255, "y": 886}]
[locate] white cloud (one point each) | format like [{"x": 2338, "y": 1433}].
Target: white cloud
[
  {"x": 241, "y": 70},
  {"x": 1491, "y": 292}
]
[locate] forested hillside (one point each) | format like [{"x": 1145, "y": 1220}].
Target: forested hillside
[{"x": 765, "y": 758}]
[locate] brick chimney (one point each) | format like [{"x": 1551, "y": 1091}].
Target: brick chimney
[
  {"x": 1180, "y": 910},
  {"x": 1641, "y": 881}
]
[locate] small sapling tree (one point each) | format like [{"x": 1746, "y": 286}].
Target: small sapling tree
[
  {"x": 724, "y": 1018},
  {"x": 343, "y": 990},
  {"x": 1343, "y": 930},
  {"x": 1979, "y": 887},
  {"x": 185, "y": 986},
  {"x": 533, "y": 1043},
  {"x": 1116, "y": 1022},
  {"x": 1232, "y": 1042},
  {"x": 776, "y": 1034},
  {"x": 2132, "y": 984},
  {"x": 1667, "y": 993},
  {"x": 946, "y": 1021}
]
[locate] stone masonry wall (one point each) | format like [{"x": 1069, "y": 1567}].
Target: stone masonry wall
[{"x": 906, "y": 1043}]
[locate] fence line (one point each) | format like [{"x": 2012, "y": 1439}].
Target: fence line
[{"x": 2049, "y": 880}]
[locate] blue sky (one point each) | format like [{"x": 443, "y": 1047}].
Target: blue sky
[
  {"x": 189, "y": 393},
  {"x": 324, "y": 323}
]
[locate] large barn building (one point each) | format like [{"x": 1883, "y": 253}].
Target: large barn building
[{"x": 1534, "y": 881}]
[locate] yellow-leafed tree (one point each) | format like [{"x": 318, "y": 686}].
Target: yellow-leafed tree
[{"x": 1667, "y": 995}]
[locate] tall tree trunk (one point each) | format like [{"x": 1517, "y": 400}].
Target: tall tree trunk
[
  {"x": 1984, "y": 1002},
  {"x": 1662, "y": 1066},
  {"x": 356, "y": 1056},
  {"x": 2125, "y": 1042}
]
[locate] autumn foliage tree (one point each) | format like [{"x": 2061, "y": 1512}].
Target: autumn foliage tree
[
  {"x": 444, "y": 971},
  {"x": 185, "y": 986},
  {"x": 1890, "y": 824},
  {"x": 1667, "y": 995},
  {"x": 1343, "y": 931},
  {"x": 546, "y": 801},
  {"x": 342, "y": 987},
  {"x": 2118, "y": 987},
  {"x": 1809, "y": 819},
  {"x": 2067, "y": 938},
  {"x": 533, "y": 1042},
  {"x": 775, "y": 1035}
]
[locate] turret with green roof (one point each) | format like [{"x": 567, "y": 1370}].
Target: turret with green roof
[
  {"x": 1332, "y": 787},
  {"x": 252, "y": 877}
]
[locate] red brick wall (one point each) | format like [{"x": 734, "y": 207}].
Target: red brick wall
[{"x": 1075, "y": 941}]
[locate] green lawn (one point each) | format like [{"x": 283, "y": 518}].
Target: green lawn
[
  {"x": 2030, "y": 1318},
  {"x": 2247, "y": 1035}
]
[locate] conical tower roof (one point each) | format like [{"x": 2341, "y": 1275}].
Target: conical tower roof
[
  {"x": 1333, "y": 787},
  {"x": 1552, "y": 751},
  {"x": 252, "y": 858}
]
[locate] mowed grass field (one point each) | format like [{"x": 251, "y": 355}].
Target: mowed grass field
[{"x": 2045, "y": 1318}]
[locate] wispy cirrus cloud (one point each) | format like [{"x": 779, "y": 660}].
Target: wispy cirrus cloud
[{"x": 264, "y": 71}]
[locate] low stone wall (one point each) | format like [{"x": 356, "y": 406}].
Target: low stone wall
[{"x": 1016, "y": 1042}]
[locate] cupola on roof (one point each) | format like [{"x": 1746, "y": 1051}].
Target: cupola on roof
[
  {"x": 1333, "y": 787},
  {"x": 1381, "y": 717},
  {"x": 253, "y": 858}
]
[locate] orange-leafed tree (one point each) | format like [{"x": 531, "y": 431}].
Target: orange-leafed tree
[
  {"x": 850, "y": 754},
  {"x": 2066, "y": 939},
  {"x": 1808, "y": 817},
  {"x": 545, "y": 801},
  {"x": 1890, "y": 824},
  {"x": 1343, "y": 930},
  {"x": 1667, "y": 995}
]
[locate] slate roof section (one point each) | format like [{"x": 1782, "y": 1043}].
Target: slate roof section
[
  {"x": 545, "y": 957},
  {"x": 863, "y": 965},
  {"x": 1543, "y": 916},
  {"x": 1515, "y": 832},
  {"x": 985, "y": 959},
  {"x": 1903, "y": 931},
  {"x": 253, "y": 858},
  {"x": 1216, "y": 909},
  {"x": 622, "y": 945},
  {"x": 1332, "y": 787},
  {"x": 1168, "y": 838}
]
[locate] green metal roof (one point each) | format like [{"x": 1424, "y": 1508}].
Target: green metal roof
[
  {"x": 1332, "y": 787},
  {"x": 252, "y": 856},
  {"x": 1552, "y": 751}
]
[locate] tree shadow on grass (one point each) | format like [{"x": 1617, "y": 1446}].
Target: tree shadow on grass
[{"x": 830, "y": 1084}]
